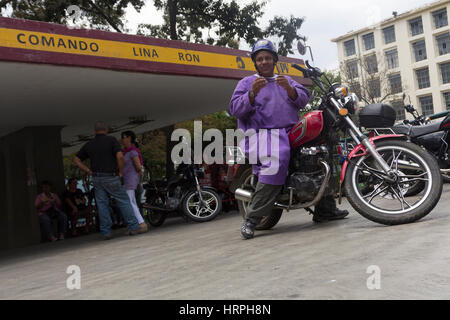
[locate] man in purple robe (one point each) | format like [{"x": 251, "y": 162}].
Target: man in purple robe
[{"x": 269, "y": 104}]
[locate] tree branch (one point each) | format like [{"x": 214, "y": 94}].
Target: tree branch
[{"x": 108, "y": 19}]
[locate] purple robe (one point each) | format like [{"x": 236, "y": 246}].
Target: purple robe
[{"x": 273, "y": 109}]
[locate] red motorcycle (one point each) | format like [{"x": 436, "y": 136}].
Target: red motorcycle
[{"x": 375, "y": 176}]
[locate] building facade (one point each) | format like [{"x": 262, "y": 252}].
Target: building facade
[{"x": 411, "y": 51}]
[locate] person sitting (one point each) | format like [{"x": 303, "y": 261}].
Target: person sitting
[
  {"x": 75, "y": 206},
  {"x": 48, "y": 205}
]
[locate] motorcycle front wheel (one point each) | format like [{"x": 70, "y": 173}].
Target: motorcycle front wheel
[
  {"x": 197, "y": 212},
  {"x": 387, "y": 201}
]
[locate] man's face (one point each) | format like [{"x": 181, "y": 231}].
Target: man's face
[
  {"x": 73, "y": 184},
  {"x": 264, "y": 63}
]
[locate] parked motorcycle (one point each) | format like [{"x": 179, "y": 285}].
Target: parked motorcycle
[
  {"x": 372, "y": 175},
  {"x": 182, "y": 193},
  {"x": 433, "y": 137}
]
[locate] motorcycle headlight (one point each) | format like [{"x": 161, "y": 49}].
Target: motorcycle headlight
[{"x": 341, "y": 91}]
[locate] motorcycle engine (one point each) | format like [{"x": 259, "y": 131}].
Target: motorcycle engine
[{"x": 305, "y": 172}]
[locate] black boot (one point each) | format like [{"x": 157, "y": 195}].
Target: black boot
[
  {"x": 248, "y": 229},
  {"x": 326, "y": 210}
]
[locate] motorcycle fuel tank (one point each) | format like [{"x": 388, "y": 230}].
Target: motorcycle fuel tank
[{"x": 307, "y": 129}]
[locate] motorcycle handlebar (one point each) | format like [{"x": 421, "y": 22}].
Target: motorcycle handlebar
[
  {"x": 305, "y": 71},
  {"x": 311, "y": 72}
]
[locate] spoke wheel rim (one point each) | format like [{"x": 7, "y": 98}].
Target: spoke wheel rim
[
  {"x": 195, "y": 209},
  {"x": 394, "y": 189}
]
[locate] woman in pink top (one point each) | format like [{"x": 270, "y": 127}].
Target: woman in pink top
[
  {"x": 48, "y": 205},
  {"x": 132, "y": 171}
]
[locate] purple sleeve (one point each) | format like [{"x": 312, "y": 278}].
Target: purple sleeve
[
  {"x": 303, "y": 94},
  {"x": 240, "y": 106},
  {"x": 133, "y": 154}
]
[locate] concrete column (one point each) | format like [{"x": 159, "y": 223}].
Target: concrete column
[{"x": 27, "y": 157}]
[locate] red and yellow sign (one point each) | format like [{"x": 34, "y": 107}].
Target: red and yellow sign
[{"x": 31, "y": 40}]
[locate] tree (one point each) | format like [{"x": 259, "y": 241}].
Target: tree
[
  {"x": 371, "y": 81},
  {"x": 316, "y": 92},
  {"x": 286, "y": 31},
  {"x": 215, "y": 22},
  {"x": 225, "y": 23},
  {"x": 72, "y": 171},
  {"x": 100, "y": 14}
]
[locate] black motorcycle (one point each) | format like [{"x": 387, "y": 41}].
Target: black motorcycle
[
  {"x": 181, "y": 193},
  {"x": 433, "y": 136}
]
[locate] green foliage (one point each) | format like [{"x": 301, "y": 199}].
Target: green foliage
[
  {"x": 71, "y": 170},
  {"x": 286, "y": 30},
  {"x": 226, "y": 23},
  {"x": 228, "y": 20},
  {"x": 316, "y": 92},
  {"x": 100, "y": 13}
]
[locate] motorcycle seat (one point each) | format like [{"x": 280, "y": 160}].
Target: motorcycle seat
[
  {"x": 417, "y": 131},
  {"x": 402, "y": 129}
]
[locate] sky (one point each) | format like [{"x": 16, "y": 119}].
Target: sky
[{"x": 324, "y": 20}]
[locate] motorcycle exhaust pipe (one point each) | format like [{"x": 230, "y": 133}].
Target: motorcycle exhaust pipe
[
  {"x": 445, "y": 170},
  {"x": 243, "y": 195},
  {"x": 407, "y": 165}
]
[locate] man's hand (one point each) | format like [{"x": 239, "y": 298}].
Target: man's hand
[
  {"x": 258, "y": 84},
  {"x": 82, "y": 166},
  {"x": 283, "y": 82}
]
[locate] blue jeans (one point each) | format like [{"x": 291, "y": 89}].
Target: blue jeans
[
  {"x": 105, "y": 186},
  {"x": 46, "y": 224}
]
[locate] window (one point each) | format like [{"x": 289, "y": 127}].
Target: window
[
  {"x": 396, "y": 83},
  {"x": 399, "y": 110},
  {"x": 416, "y": 26},
  {"x": 423, "y": 78},
  {"x": 440, "y": 18},
  {"x": 420, "y": 51},
  {"x": 356, "y": 89},
  {"x": 369, "y": 41},
  {"x": 371, "y": 64},
  {"x": 350, "y": 47},
  {"x": 374, "y": 88},
  {"x": 392, "y": 59},
  {"x": 389, "y": 34},
  {"x": 445, "y": 72},
  {"x": 352, "y": 69},
  {"x": 427, "y": 105},
  {"x": 447, "y": 100},
  {"x": 443, "y": 42}
]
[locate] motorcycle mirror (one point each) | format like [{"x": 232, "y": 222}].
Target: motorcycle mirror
[{"x": 301, "y": 47}]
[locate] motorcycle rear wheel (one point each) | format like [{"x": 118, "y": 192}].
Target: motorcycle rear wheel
[
  {"x": 154, "y": 217},
  {"x": 427, "y": 172},
  {"x": 267, "y": 222}
]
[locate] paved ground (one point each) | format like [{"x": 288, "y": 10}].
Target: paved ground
[{"x": 295, "y": 260}]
